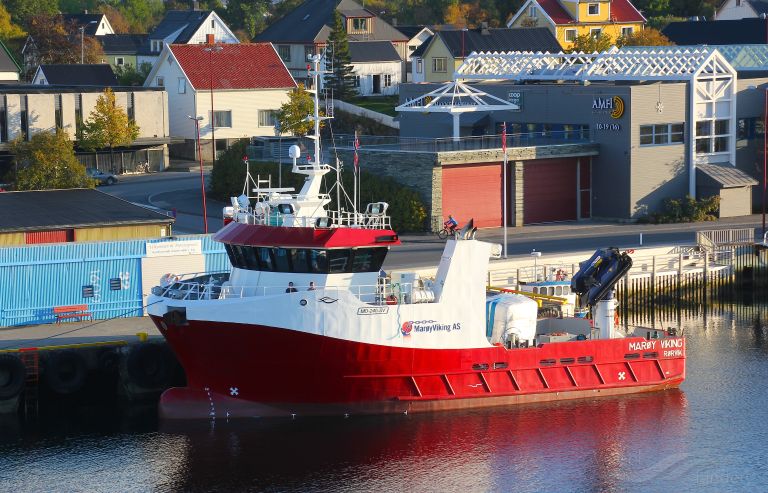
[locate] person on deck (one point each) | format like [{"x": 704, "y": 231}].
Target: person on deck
[{"x": 290, "y": 288}]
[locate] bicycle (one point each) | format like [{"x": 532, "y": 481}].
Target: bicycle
[{"x": 444, "y": 233}]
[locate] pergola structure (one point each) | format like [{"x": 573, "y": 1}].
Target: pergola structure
[
  {"x": 456, "y": 98},
  {"x": 712, "y": 94}
]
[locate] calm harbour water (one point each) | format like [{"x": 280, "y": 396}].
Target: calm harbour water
[{"x": 709, "y": 436}]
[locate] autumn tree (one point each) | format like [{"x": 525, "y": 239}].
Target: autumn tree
[
  {"x": 116, "y": 19},
  {"x": 646, "y": 37},
  {"x": 8, "y": 30},
  {"x": 586, "y": 43},
  {"x": 340, "y": 80},
  {"x": 59, "y": 42},
  {"x": 47, "y": 161},
  {"x": 292, "y": 115},
  {"x": 108, "y": 126}
]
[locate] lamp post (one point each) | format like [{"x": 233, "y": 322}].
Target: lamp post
[
  {"x": 202, "y": 179},
  {"x": 82, "y": 41},
  {"x": 211, "y": 50}
]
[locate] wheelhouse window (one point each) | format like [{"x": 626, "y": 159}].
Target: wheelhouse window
[{"x": 306, "y": 260}]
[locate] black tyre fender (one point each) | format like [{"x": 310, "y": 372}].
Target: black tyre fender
[
  {"x": 109, "y": 360},
  {"x": 12, "y": 376},
  {"x": 149, "y": 365},
  {"x": 65, "y": 372}
]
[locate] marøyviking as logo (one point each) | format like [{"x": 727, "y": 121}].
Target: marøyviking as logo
[{"x": 406, "y": 328}]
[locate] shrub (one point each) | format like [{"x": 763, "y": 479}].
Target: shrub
[
  {"x": 687, "y": 210},
  {"x": 406, "y": 209}
]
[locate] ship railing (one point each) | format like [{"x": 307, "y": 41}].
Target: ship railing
[
  {"x": 382, "y": 293},
  {"x": 335, "y": 219}
]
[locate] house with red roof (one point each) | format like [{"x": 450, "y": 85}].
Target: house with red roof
[
  {"x": 236, "y": 90},
  {"x": 567, "y": 19}
]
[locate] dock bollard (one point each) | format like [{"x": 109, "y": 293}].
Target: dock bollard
[{"x": 142, "y": 336}]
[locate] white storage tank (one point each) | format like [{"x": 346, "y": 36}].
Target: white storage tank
[{"x": 511, "y": 319}]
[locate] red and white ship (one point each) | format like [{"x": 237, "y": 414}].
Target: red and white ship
[{"x": 345, "y": 340}]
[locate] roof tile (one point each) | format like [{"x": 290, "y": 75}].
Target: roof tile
[{"x": 236, "y": 66}]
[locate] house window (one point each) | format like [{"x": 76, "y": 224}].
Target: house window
[
  {"x": 58, "y": 118},
  {"x": 213, "y": 23},
  {"x": 570, "y": 35},
  {"x": 662, "y": 134},
  {"x": 267, "y": 118},
  {"x": 626, "y": 31},
  {"x": 119, "y": 61},
  {"x": 532, "y": 12},
  {"x": 78, "y": 114},
  {"x": 387, "y": 80},
  {"x": 712, "y": 136},
  {"x": 285, "y": 52},
  {"x": 357, "y": 80},
  {"x": 24, "y": 116},
  {"x": 593, "y": 9},
  {"x": 131, "y": 107},
  {"x": 439, "y": 65},
  {"x": 309, "y": 50},
  {"x": 182, "y": 85},
  {"x": 419, "y": 66},
  {"x": 359, "y": 25},
  {"x": 3, "y": 119},
  {"x": 156, "y": 45},
  {"x": 222, "y": 118},
  {"x": 161, "y": 82},
  {"x": 595, "y": 33}
]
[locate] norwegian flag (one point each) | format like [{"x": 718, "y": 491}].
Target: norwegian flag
[
  {"x": 504, "y": 137},
  {"x": 357, "y": 146}
]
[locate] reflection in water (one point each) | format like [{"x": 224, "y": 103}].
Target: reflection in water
[{"x": 708, "y": 436}]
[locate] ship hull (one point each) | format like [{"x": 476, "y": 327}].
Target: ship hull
[{"x": 239, "y": 370}]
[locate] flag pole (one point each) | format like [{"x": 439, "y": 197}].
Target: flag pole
[{"x": 504, "y": 172}]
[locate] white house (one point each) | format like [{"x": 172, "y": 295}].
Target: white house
[
  {"x": 248, "y": 81},
  {"x": 732, "y": 10},
  {"x": 376, "y": 67},
  {"x": 185, "y": 27},
  {"x": 91, "y": 24}
]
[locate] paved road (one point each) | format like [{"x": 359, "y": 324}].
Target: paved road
[
  {"x": 181, "y": 190},
  {"x": 168, "y": 191}
]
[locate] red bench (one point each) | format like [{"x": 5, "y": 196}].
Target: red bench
[{"x": 71, "y": 311}]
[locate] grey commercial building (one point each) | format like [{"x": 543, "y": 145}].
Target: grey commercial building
[{"x": 658, "y": 125}]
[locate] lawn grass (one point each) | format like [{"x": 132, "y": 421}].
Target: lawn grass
[{"x": 381, "y": 104}]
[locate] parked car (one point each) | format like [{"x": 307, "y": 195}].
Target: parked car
[{"x": 104, "y": 177}]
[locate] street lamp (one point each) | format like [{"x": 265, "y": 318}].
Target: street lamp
[
  {"x": 202, "y": 179},
  {"x": 211, "y": 50},
  {"x": 82, "y": 41},
  {"x": 765, "y": 150}
]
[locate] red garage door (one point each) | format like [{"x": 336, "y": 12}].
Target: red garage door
[
  {"x": 549, "y": 191},
  {"x": 473, "y": 191}
]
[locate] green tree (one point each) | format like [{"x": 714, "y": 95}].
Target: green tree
[
  {"x": 141, "y": 15},
  {"x": 47, "y": 161},
  {"x": 248, "y": 15},
  {"x": 128, "y": 75},
  {"x": 587, "y": 43},
  {"x": 340, "y": 80},
  {"x": 108, "y": 126},
  {"x": 647, "y": 37},
  {"x": 24, "y": 10},
  {"x": 8, "y": 30},
  {"x": 292, "y": 115}
]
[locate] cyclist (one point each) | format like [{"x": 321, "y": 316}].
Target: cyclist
[{"x": 451, "y": 224}]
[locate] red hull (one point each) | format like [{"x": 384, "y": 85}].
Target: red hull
[{"x": 249, "y": 370}]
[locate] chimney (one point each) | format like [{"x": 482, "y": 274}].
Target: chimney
[
  {"x": 210, "y": 39},
  {"x": 195, "y": 5},
  {"x": 85, "y": 11},
  {"x": 484, "y": 28}
]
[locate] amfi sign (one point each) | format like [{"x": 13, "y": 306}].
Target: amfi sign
[{"x": 612, "y": 105}]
